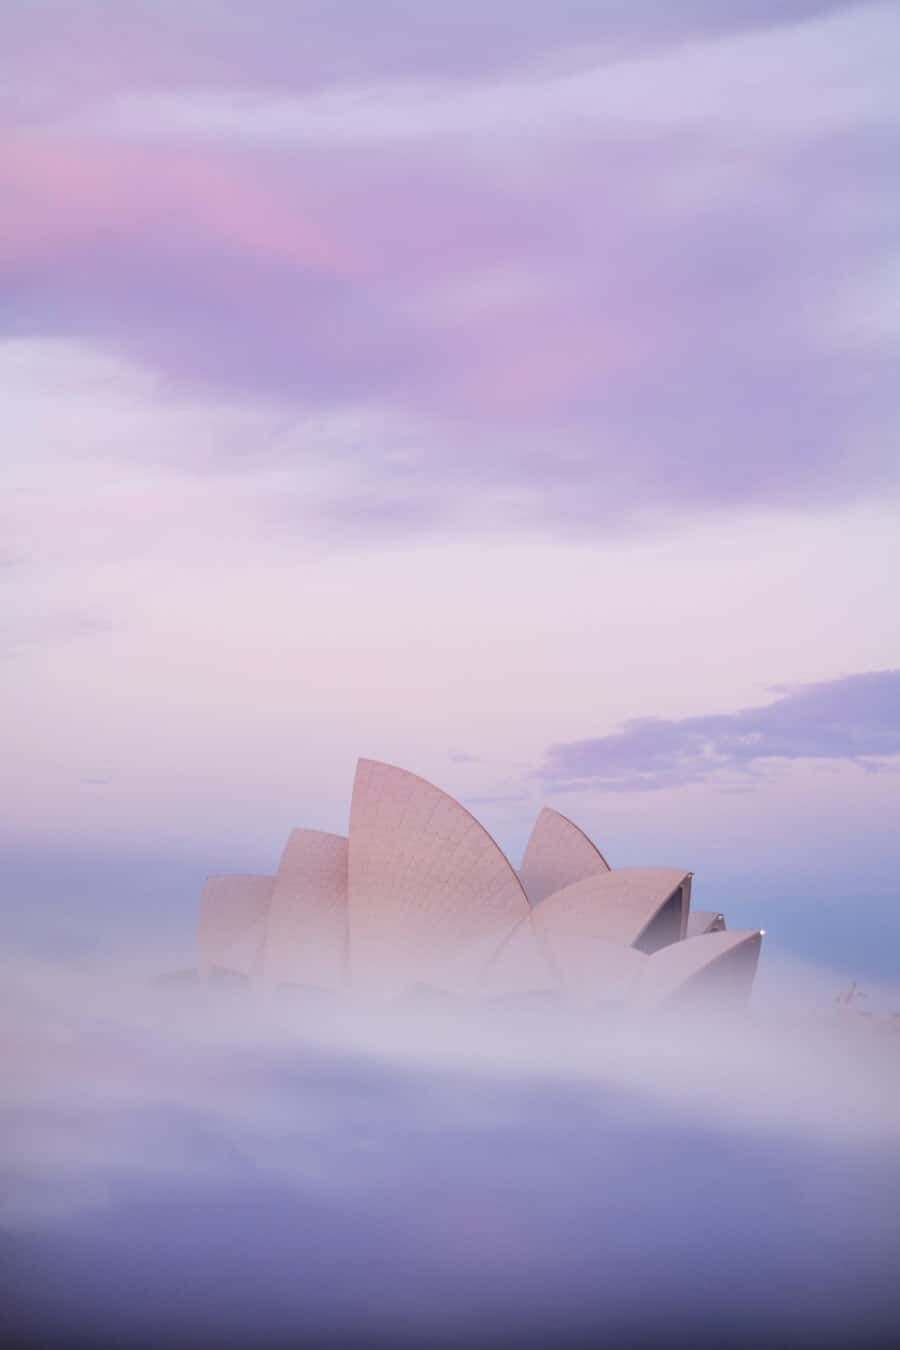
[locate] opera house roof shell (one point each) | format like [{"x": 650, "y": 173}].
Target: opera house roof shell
[{"x": 419, "y": 897}]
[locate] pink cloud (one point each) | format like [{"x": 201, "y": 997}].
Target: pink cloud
[
  {"x": 65, "y": 195},
  {"x": 636, "y": 316}
]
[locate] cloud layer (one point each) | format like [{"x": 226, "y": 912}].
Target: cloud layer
[
  {"x": 303, "y": 43},
  {"x": 584, "y": 266},
  {"x": 855, "y": 718}
]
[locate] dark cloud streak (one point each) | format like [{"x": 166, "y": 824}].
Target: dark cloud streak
[{"x": 855, "y": 718}]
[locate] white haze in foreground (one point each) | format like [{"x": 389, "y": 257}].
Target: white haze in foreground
[{"x": 213, "y": 1167}]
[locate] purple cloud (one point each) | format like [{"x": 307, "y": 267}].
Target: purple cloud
[
  {"x": 646, "y": 291},
  {"x": 87, "y": 47},
  {"x": 855, "y": 718}
]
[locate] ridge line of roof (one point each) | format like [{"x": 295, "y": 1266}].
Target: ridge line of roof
[{"x": 397, "y": 768}]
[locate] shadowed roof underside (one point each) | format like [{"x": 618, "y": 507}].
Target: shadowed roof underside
[
  {"x": 557, "y": 854},
  {"x": 721, "y": 964},
  {"x": 643, "y": 907},
  {"x": 425, "y": 879},
  {"x": 704, "y": 921}
]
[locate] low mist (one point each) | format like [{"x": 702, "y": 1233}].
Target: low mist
[{"x": 190, "y": 1165}]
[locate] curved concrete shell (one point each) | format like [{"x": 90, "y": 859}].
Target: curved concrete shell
[
  {"x": 704, "y": 921},
  {"x": 463, "y": 972},
  {"x": 595, "y": 973},
  {"x": 505, "y": 963},
  {"x": 718, "y": 965},
  {"x": 425, "y": 879},
  {"x": 306, "y": 941},
  {"x": 519, "y": 967},
  {"x": 459, "y": 973},
  {"x": 233, "y": 914},
  {"x": 641, "y": 907},
  {"x": 558, "y": 853}
]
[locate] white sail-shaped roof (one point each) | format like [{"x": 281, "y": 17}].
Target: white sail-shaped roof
[
  {"x": 420, "y": 898},
  {"x": 642, "y": 907},
  {"x": 233, "y": 914},
  {"x": 425, "y": 879},
  {"x": 593, "y": 972},
  {"x": 520, "y": 966},
  {"x": 704, "y": 921},
  {"x": 462, "y": 972},
  {"x": 713, "y": 964},
  {"x": 558, "y": 853},
  {"x": 306, "y": 940},
  {"x": 506, "y": 962}
]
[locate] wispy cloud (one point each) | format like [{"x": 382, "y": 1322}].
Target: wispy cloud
[
  {"x": 855, "y": 718},
  {"x": 30, "y": 630},
  {"x": 295, "y": 43},
  {"x": 650, "y": 290}
]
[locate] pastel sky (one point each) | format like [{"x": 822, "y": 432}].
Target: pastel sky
[{"x": 507, "y": 391}]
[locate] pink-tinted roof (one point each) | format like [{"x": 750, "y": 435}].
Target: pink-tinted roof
[
  {"x": 592, "y": 971},
  {"x": 704, "y": 921},
  {"x": 557, "y": 854},
  {"x": 306, "y": 939},
  {"x": 643, "y": 907},
  {"x": 714, "y": 964},
  {"x": 506, "y": 962},
  {"x": 233, "y": 914},
  {"x": 425, "y": 879},
  {"x": 462, "y": 972},
  {"x": 519, "y": 966}
]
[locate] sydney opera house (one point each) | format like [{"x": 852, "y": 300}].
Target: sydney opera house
[{"x": 418, "y": 897}]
